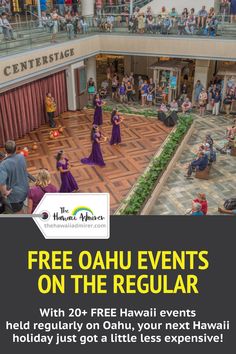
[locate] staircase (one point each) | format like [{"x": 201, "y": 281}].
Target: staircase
[{"x": 229, "y": 29}]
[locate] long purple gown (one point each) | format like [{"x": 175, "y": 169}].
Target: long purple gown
[
  {"x": 115, "y": 136},
  {"x": 97, "y": 118},
  {"x": 95, "y": 157},
  {"x": 68, "y": 183}
]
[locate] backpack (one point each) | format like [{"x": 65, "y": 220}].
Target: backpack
[{"x": 230, "y": 204}]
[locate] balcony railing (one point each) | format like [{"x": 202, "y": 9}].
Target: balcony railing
[{"x": 33, "y": 33}]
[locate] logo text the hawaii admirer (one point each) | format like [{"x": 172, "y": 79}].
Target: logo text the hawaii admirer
[{"x": 81, "y": 213}]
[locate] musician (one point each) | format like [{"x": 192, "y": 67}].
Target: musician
[
  {"x": 13, "y": 179},
  {"x": 50, "y": 109}
]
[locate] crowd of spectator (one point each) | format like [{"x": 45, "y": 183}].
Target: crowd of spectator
[
  {"x": 130, "y": 88},
  {"x": 66, "y": 16},
  {"x": 71, "y": 22},
  {"x": 188, "y": 21}
]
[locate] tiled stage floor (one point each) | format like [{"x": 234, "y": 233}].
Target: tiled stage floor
[
  {"x": 178, "y": 192},
  {"x": 141, "y": 139}
]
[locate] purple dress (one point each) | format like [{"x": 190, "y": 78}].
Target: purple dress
[
  {"x": 115, "y": 137},
  {"x": 95, "y": 157},
  {"x": 97, "y": 118},
  {"x": 68, "y": 183}
]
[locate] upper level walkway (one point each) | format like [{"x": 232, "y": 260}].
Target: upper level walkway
[{"x": 29, "y": 35}]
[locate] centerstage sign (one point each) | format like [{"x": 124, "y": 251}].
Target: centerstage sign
[
  {"x": 31, "y": 64},
  {"x": 37, "y": 62}
]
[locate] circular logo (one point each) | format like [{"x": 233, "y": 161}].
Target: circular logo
[{"x": 45, "y": 215}]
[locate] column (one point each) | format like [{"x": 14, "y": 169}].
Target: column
[
  {"x": 87, "y": 7},
  {"x": 201, "y": 72},
  {"x": 91, "y": 68},
  {"x": 128, "y": 64},
  {"x": 71, "y": 93},
  {"x": 71, "y": 86}
]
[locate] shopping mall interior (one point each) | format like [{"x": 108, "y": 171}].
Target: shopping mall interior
[{"x": 154, "y": 81}]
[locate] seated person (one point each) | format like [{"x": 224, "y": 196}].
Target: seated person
[
  {"x": 231, "y": 132},
  {"x": 102, "y": 24},
  {"x": 211, "y": 27},
  {"x": 163, "y": 108},
  {"x": 131, "y": 26},
  {"x": 201, "y": 199},
  {"x": 210, "y": 152},
  {"x": 197, "y": 209},
  {"x": 163, "y": 12},
  {"x": 186, "y": 106},
  {"x": 150, "y": 24},
  {"x": 202, "y": 17},
  {"x": 174, "y": 16},
  {"x": 226, "y": 144},
  {"x": 173, "y": 13},
  {"x": 191, "y": 23},
  {"x": 228, "y": 212},
  {"x": 199, "y": 164},
  {"x": 181, "y": 25},
  {"x": 110, "y": 23},
  {"x": 166, "y": 25},
  {"x": 174, "y": 106},
  {"x": 6, "y": 27},
  {"x": 159, "y": 24},
  {"x": 209, "y": 140}
]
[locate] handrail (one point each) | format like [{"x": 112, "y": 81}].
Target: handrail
[
  {"x": 137, "y": 3},
  {"x": 31, "y": 13},
  {"x": 18, "y": 21},
  {"x": 94, "y": 23}
]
